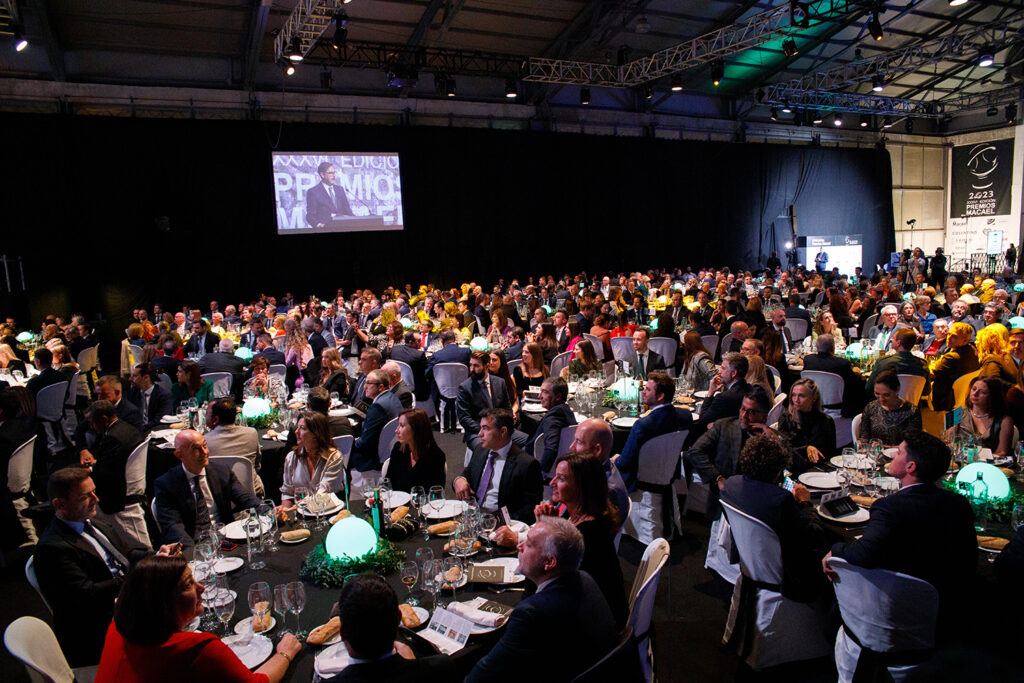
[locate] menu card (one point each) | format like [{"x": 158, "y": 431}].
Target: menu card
[
  {"x": 489, "y": 573},
  {"x": 446, "y": 631}
]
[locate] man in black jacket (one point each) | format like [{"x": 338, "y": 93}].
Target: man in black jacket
[
  {"x": 905, "y": 362},
  {"x": 202, "y": 340},
  {"x": 553, "y": 395},
  {"x": 825, "y": 360},
  {"x": 152, "y": 400}
]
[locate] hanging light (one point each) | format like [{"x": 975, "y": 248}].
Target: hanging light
[
  {"x": 648, "y": 92},
  {"x": 957, "y": 3},
  {"x": 875, "y": 26},
  {"x": 340, "y": 30},
  {"x": 887, "y": 122},
  {"x": 785, "y": 106},
  {"x": 294, "y": 52},
  {"x": 511, "y": 88},
  {"x": 878, "y": 83},
  {"x": 775, "y": 114},
  {"x": 816, "y": 117},
  {"x": 677, "y": 83},
  {"x": 986, "y": 58},
  {"x": 789, "y": 47},
  {"x": 717, "y": 71},
  {"x": 449, "y": 87},
  {"x": 1011, "y": 113},
  {"x": 20, "y": 41},
  {"x": 838, "y": 120},
  {"x": 864, "y": 120},
  {"x": 584, "y": 95}
]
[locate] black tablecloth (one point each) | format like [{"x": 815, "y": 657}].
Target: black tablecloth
[{"x": 283, "y": 566}]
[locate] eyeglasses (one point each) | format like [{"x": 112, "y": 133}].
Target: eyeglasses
[{"x": 376, "y": 384}]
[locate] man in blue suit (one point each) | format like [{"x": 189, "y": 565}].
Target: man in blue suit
[
  {"x": 450, "y": 352},
  {"x": 567, "y": 603},
  {"x": 664, "y": 418},
  {"x": 326, "y": 199},
  {"x": 152, "y": 400},
  {"x": 384, "y": 407},
  {"x": 553, "y": 395}
]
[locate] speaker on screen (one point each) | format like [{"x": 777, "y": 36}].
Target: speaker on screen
[{"x": 337, "y": 192}]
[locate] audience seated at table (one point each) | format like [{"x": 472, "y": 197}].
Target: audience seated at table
[
  {"x": 43, "y": 360},
  {"x": 479, "y": 392},
  {"x": 498, "y": 366},
  {"x": 826, "y": 324},
  {"x": 383, "y": 407},
  {"x": 191, "y": 384},
  {"x": 416, "y": 459},
  {"x": 664, "y": 418},
  {"x": 554, "y": 393},
  {"x": 994, "y": 353},
  {"x": 985, "y": 418},
  {"x": 146, "y": 640},
  {"x": 225, "y": 437},
  {"x": 398, "y": 387},
  {"x": 563, "y": 628},
  {"x": 202, "y": 340},
  {"x": 315, "y": 464},
  {"x": 888, "y": 417},
  {"x": 903, "y": 360},
  {"x": 809, "y": 432},
  {"x": 961, "y": 359},
  {"x": 332, "y": 375},
  {"x": 725, "y": 393},
  {"x": 148, "y": 396}
]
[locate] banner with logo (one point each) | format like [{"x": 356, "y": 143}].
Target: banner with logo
[{"x": 982, "y": 178}]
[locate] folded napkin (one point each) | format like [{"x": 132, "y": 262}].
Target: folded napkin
[
  {"x": 485, "y": 619},
  {"x": 332, "y": 661}
]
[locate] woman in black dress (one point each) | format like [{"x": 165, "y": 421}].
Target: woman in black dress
[
  {"x": 333, "y": 377},
  {"x": 416, "y": 459},
  {"x": 532, "y": 371},
  {"x": 810, "y": 432}
]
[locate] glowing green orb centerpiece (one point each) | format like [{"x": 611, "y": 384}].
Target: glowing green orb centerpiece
[
  {"x": 244, "y": 352},
  {"x": 254, "y": 408},
  {"x": 25, "y": 337},
  {"x": 351, "y": 539},
  {"x": 479, "y": 344},
  {"x": 998, "y": 484}
]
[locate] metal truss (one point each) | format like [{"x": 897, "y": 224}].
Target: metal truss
[
  {"x": 308, "y": 21},
  {"x": 870, "y": 103},
  {"x": 438, "y": 60},
  {"x": 973, "y": 101},
  {"x": 564, "y": 71}
]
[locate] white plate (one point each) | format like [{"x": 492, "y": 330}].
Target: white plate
[
  {"x": 281, "y": 436},
  {"x": 228, "y": 564},
  {"x": 342, "y": 412},
  {"x": 477, "y": 628},
  {"x": 510, "y": 562},
  {"x": 700, "y": 394},
  {"x": 169, "y": 419},
  {"x": 861, "y": 516},
  {"x": 463, "y": 580},
  {"x": 295, "y": 541},
  {"x": 451, "y": 508},
  {"x": 235, "y": 532},
  {"x": 337, "y": 506},
  {"x": 862, "y": 462},
  {"x": 252, "y": 649},
  {"x": 245, "y": 624},
  {"x": 819, "y": 480},
  {"x": 625, "y": 422},
  {"x": 397, "y": 498},
  {"x": 534, "y": 408},
  {"x": 331, "y": 661}
]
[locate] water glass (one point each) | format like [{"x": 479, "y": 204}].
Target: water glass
[
  {"x": 419, "y": 500},
  {"x": 202, "y": 573},
  {"x": 1017, "y": 518},
  {"x": 296, "y": 594},
  {"x": 488, "y": 523},
  {"x": 301, "y": 494},
  {"x": 281, "y": 606},
  {"x": 254, "y": 539},
  {"x": 432, "y": 579},
  {"x": 224, "y": 608},
  {"x": 269, "y": 520},
  {"x": 447, "y": 566},
  {"x": 260, "y": 598}
]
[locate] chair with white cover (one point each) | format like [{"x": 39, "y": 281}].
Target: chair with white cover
[
  {"x": 32, "y": 641},
  {"x": 387, "y": 439},
  {"x": 621, "y": 348},
  {"x": 855, "y": 428},
  {"x": 407, "y": 374},
  {"x": 565, "y": 439},
  {"x": 278, "y": 369},
  {"x": 797, "y": 329},
  {"x": 384, "y": 467},
  {"x": 596, "y": 342},
  {"x": 88, "y": 364},
  {"x": 19, "y": 481},
  {"x": 344, "y": 445},
  {"x": 665, "y": 347},
  {"x": 50, "y": 411},
  {"x": 242, "y": 467},
  {"x": 726, "y": 343},
  {"x": 135, "y": 352},
  {"x": 869, "y": 323},
  {"x": 657, "y": 468},
  {"x": 771, "y": 629},
  {"x": 911, "y": 388},
  {"x": 830, "y": 386},
  {"x": 778, "y": 378},
  {"x": 776, "y": 411},
  {"x": 33, "y": 580},
  {"x": 710, "y": 342},
  {"x": 131, "y": 521},
  {"x": 559, "y": 362},
  {"x": 641, "y": 600},
  {"x": 221, "y": 383},
  {"x": 513, "y": 364},
  {"x": 448, "y": 377},
  {"x": 164, "y": 381},
  {"x": 890, "y": 613}
]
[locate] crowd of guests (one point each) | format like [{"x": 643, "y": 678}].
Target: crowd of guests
[{"x": 378, "y": 351}]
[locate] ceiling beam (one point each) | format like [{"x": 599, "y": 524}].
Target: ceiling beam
[
  {"x": 419, "y": 32},
  {"x": 54, "y": 53},
  {"x": 254, "y": 41}
]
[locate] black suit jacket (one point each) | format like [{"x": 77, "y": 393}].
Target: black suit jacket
[
  {"x": 471, "y": 401},
  {"x": 319, "y": 206},
  {"x": 906, "y": 363},
  {"x": 795, "y": 312},
  {"x": 654, "y": 362},
  {"x": 222, "y": 362},
  {"x": 514, "y": 351},
  {"x": 159, "y": 405},
  {"x": 176, "y": 506},
  {"x": 550, "y": 427},
  {"x": 111, "y": 452},
  {"x": 553, "y": 635},
  {"x": 79, "y": 587},
  {"x": 212, "y": 339},
  {"x": 273, "y": 356},
  {"x": 521, "y": 486},
  {"x": 396, "y": 669},
  {"x": 47, "y": 377},
  {"x": 417, "y": 360},
  {"x": 168, "y": 365},
  {"x": 725, "y": 403},
  {"x": 853, "y": 399}
]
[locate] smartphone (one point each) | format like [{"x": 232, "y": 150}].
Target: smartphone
[
  {"x": 788, "y": 483},
  {"x": 227, "y": 546}
]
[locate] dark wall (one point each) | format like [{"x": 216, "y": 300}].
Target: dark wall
[{"x": 82, "y": 195}]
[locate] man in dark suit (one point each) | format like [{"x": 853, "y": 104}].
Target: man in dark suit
[
  {"x": 499, "y": 474},
  {"x": 368, "y": 609},
  {"x": 202, "y": 340},
  {"x": 642, "y": 360},
  {"x": 561, "y": 330},
  {"x": 326, "y": 199},
  {"x": 884, "y": 332},
  {"x": 528, "y": 650},
  {"x": 934, "y": 344},
  {"x": 316, "y": 340},
  {"x": 224, "y": 360},
  {"x": 384, "y": 407},
  {"x": 189, "y": 498},
  {"x": 825, "y": 360},
  {"x": 81, "y": 565},
  {"x": 47, "y": 375},
  {"x": 795, "y": 312},
  {"x": 478, "y": 393},
  {"x": 399, "y": 388},
  {"x": 778, "y": 324},
  {"x": 704, "y": 306},
  {"x": 152, "y": 400},
  {"x": 725, "y": 394},
  {"x": 249, "y": 338},
  {"x": 108, "y": 388},
  {"x": 664, "y": 418},
  {"x": 515, "y": 349},
  {"x": 166, "y": 363},
  {"x": 905, "y": 362},
  {"x": 265, "y": 348},
  {"x": 369, "y": 360},
  {"x": 553, "y": 395},
  {"x": 417, "y": 361},
  {"x": 922, "y": 530}
]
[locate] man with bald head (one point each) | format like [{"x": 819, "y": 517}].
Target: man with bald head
[
  {"x": 594, "y": 437},
  {"x": 191, "y": 497}
]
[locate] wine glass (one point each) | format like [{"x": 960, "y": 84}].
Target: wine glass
[
  {"x": 281, "y": 605},
  {"x": 385, "y": 499},
  {"x": 296, "y": 593},
  {"x": 448, "y": 564},
  {"x": 488, "y": 523},
  {"x": 224, "y": 608},
  {"x": 202, "y": 573},
  {"x": 419, "y": 500},
  {"x": 436, "y": 498},
  {"x": 203, "y": 551},
  {"x": 301, "y": 495},
  {"x": 335, "y": 398},
  {"x": 410, "y": 574},
  {"x": 269, "y": 520},
  {"x": 254, "y": 539},
  {"x": 432, "y": 578},
  {"x": 260, "y": 598},
  {"x": 1020, "y": 461}
]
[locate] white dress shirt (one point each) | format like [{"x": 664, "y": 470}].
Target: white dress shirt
[{"x": 490, "y": 500}]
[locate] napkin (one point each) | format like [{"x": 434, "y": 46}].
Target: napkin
[
  {"x": 478, "y": 617},
  {"x": 338, "y": 661}
]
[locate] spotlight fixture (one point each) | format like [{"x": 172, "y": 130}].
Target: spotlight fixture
[
  {"x": 910, "y": 125},
  {"x": 838, "y": 120},
  {"x": 875, "y": 26},
  {"x": 857, "y": 54},
  {"x": 677, "y": 84},
  {"x": 816, "y": 117},
  {"x": 785, "y": 106},
  {"x": 340, "y": 30},
  {"x": 584, "y": 95},
  {"x": 789, "y": 47},
  {"x": 289, "y": 69},
  {"x": 449, "y": 87},
  {"x": 986, "y": 58},
  {"x": 717, "y": 71},
  {"x": 864, "y": 120},
  {"x": 642, "y": 25},
  {"x": 511, "y": 88},
  {"x": 887, "y": 122},
  {"x": 878, "y": 83},
  {"x": 648, "y": 92},
  {"x": 957, "y": 3},
  {"x": 20, "y": 41},
  {"x": 294, "y": 52},
  {"x": 775, "y": 114},
  {"x": 326, "y": 79},
  {"x": 1011, "y": 113},
  {"x": 992, "y": 111}
]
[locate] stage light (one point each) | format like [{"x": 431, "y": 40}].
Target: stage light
[
  {"x": 992, "y": 111},
  {"x": 717, "y": 71},
  {"x": 775, "y": 114},
  {"x": 789, "y": 47},
  {"x": 878, "y": 83},
  {"x": 986, "y": 58},
  {"x": 785, "y": 106},
  {"x": 340, "y": 30},
  {"x": 648, "y": 92},
  {"x": 511, "y": 88},
  {"x": 816, "y": 117},
  {"x": 865, "y": 120},
  {"x": 875, "y": 26},
  {"x": 294, "y": 52},
  {"x": 838, "y": 120},
  {"x": 789, "y": 245},
  {"x": 326, "y": 79},
  {"x": 584, "y": 95},
  {"x": 677, "y": 85},
  {"x": 1011, "y": 113},
  {"x": 643, "y": 25},
  {"x": 910, "y": 125},
  {"x": 957, "y": 3},
  {"x": 290, "y": 69},
  {"x": 20, "y": 41},
  {"x": 887, "y": 122},
  {"x": 449, "y": 87}
]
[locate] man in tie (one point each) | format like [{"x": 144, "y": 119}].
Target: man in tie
[
  {"x": 480, "y": 392},
  {"x": 643, "y": 361},
  {"x": 152, "y": 400},
  {"x": 202, "y": 341},
  {"x": 326, "y": 200},
  {"x": 779, "y": 325},
  {"x": 191, "y": 497},
  {"x": 883, "y": 333},
  {"x": 499, "y": 474},
  {"x": 255, "y": 330},
  {"x": 81, "y": 566}
]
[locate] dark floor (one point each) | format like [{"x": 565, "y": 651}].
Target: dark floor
[{"x": 689, "y": 613}]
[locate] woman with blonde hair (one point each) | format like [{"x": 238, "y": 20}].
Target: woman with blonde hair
[
  {"x": 826, "y": 324},
  {"x": 992, "y": 340},
  {"x": 809, "y": 431},
  {"x": 757, "y": 373},
  {"x": 9, "y": 361},
  {"x": 298, "y": 352}
]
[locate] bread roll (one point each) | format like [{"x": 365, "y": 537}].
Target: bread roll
[
  {"x": 609, "y": 415},
  {"x": 442, "y": 528},
  {"x": 295, "y": 535},
  {"x": 399, "y": 512},
  {"x": 321, "y": 633},
  {"x": 409, "y": 618},
  {"x": 863, "y": 501},
  {"x": 453, "y": 575},
  {"x": 993, "y": 542},
  {"x": 340, "y": 516},
  {"x": 262, "y": 623}
]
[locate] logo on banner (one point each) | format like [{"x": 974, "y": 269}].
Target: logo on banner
[{"x": 982, "y": 175}]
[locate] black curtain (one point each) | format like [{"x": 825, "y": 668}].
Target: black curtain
[{"x": 84, "y": 195}]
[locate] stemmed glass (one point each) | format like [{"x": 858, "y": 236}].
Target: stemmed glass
[
  {"x": 281, "y": 605},
  {"x": 224, "y": 608},
  {"x": 1020, "y": 461},
  {"x": 436, "y": 499},
  {"x": 410, "y": 574},
  {"x": 296, "y": 593},
  {"x": 267, "y": 517},
  {"x": 385, "y": 499},
  {"x": 260, "y": 598},
  {"x": 419, "y": 499},
  {"x": 432, "y": 579},
  {"x": 301, "y": 494},
  {"x": 488, "y": 523},
  {"x": 448, "y": 564},
  {"x": 202, "y": 573},
  {"x": 424, "y": 558}
]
